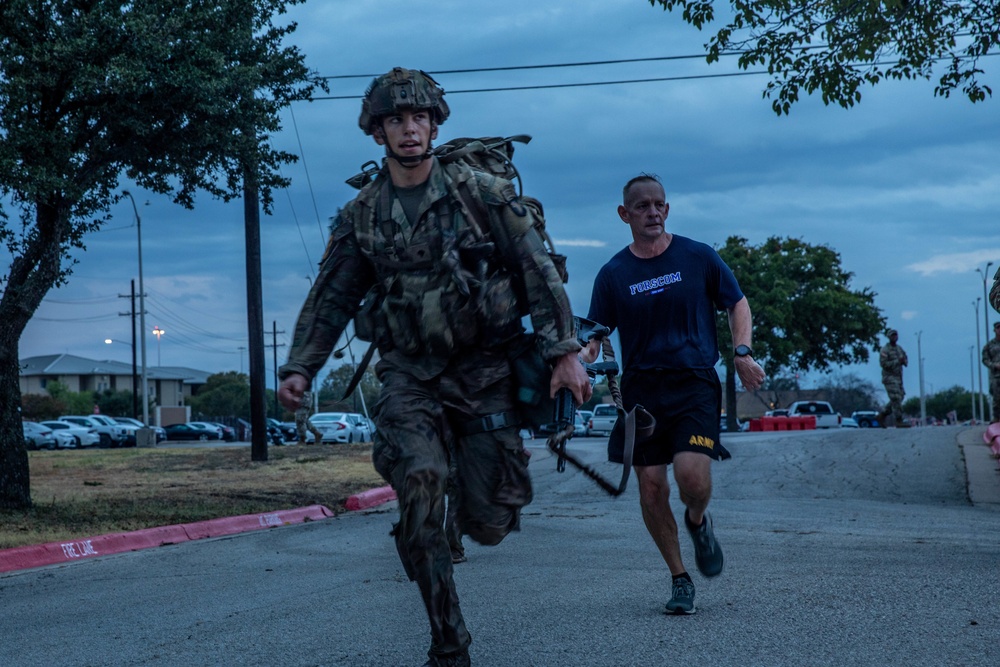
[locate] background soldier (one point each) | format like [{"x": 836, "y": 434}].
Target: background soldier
[
  {"x": 892, "y": 358},
  {"x": 438, "y": 254},
  {"x": 991, "y": 359},
  {"x": 302, "y": 423}
]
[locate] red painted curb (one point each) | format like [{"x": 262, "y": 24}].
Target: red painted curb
[
  {"x": 21, "y": 558},
  {"x": 370, "y": 498}
]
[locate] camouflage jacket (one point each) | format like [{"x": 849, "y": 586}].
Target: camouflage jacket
[
  {"x": 892, "y": 358},
  {"x": 428, "y": 291},
  {"x": 991, "y": 357}
]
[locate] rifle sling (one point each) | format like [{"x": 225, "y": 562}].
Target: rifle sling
[{"x": 359, "y": 372}]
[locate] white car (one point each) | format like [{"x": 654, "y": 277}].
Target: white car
[
  {"x": 111, "y": 433},
  {"x": 73, "y": 435},
  {"x": 336, "y": 427}
]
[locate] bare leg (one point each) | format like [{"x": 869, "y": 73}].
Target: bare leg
[
  {"x": 654, "y": 498},
  {"x": 693, "y": 473}
]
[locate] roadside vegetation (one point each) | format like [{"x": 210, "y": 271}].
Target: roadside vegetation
[{"x": 82, "y": 493}]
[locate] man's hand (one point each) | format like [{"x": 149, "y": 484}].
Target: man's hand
[
  {"x": 291, "y": 390},
  {"x": 750, "y": 372},
  {"x": 569, "y": 373}
]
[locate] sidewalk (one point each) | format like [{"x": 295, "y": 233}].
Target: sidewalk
[{"x": 982, "y": 471}]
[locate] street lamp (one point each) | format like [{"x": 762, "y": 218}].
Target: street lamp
[
  {"x": 982, "y": 408},
  {"x": 985, "y": 274},
  {"x": 157, "y": 331},
  {"x": 142, "y": 311},
  {"x": 972, "y": 381},
  {"x": 135, "y": 379}
]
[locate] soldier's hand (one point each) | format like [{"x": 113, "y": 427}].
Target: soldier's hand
[
  {"x": 569, "y": 373},
  {"x": 291, "y": 390}
]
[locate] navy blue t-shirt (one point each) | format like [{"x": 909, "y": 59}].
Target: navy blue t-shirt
[{"x": 664, "y": 307}]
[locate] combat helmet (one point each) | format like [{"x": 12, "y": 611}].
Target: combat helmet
[{"x": 398, "y": 90}]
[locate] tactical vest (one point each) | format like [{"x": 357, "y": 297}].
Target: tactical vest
[{"x": 442, "y": 289}]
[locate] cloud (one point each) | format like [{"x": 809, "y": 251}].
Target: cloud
[
  {"x": 962, "y": 262},
  {"x": 580, "y": 243},
  {"x": 908, "y": 314}
]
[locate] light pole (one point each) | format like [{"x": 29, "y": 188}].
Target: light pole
[
  {"x": 985, "y": 274},
  {"x": 982, "y": 408},
  {"x": 920, "y": 369},
  {"x": 972, "y": 380},
  {"x": 142, "y": 312},
  {"x": 157, "y": 331}
]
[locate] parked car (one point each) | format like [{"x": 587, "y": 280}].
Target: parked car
[
  {"x": 188, "y": 432},
  {"x": 605, "y": 416},
  {"x": 37, "y": 436},
  {"x": 79, "y": 436},
  {"x": 781, "y": 412},
  {"x": 826, "y": 416},
  {"x": 276, "y": 434},
  {"x": 848, "y": 422},
  {"x": 288, "y": 431},
  {"x": 866, "y": 418},
  {"x": 579, "y": 427},
  {"x": 161, "y": 435},
  {"x": 362, "y": 432},
  {"x": 335, "y": 427},
  {"x": 111, "y": 433},
  {"x": 586, "y": 416},
  {"x": 228, "y": 432},
  {"x": 215, "y": 433}
]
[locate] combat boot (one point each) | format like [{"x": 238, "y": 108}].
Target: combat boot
[{"x": 460, "y": 659}]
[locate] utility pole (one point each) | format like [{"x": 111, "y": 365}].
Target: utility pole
[
  {"x": 255, "y": 316},
  {"x": 274, "y": 345},
  {"x": 135, "y": 374},
  {"x": 985, "y": 274}
]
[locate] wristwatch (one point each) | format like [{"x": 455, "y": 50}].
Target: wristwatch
[{"x": 743, "y": 351}]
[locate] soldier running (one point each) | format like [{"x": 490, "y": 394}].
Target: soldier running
[{"x": 443, "y": 297}]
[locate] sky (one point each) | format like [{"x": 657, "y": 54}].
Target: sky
[{"x": 904, "y": 186}]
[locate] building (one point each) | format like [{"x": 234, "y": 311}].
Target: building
[{"x": 169, "y": 386}]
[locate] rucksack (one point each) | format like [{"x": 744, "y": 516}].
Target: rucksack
[{"x": 491, "y": 155}]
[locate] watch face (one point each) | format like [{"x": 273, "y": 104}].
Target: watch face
[{"x": 743, "y": 351}]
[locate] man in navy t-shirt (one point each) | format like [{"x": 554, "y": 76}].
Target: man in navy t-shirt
[{"x": 661, "y": 293}]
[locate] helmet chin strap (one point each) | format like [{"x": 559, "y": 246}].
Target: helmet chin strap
[{"x": 407, "y": 161}]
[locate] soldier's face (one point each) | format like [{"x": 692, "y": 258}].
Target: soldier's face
[
  {"x": 645, "y": 210},
  {"x": 408, "y": 133}
]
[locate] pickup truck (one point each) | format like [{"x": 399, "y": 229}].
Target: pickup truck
[
  {"x": 603, "y": 420},
  {"x": 826, "y": 416}
]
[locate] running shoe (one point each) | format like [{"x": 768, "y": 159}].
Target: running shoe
[
  {"x": 682, "y": 597},
  {"x": 707, "y": 552}
]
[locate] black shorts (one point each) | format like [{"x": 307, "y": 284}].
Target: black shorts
[{"x": 686, "y": 405}]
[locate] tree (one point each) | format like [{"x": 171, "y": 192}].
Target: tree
[
  {"x": 224, "y": 394},
  {"x": 175, "y": 96},
  {"x": 954, "y": 399},
  {"x": 849, "y": 393},
  {"x": 837, "y": 46},
  {"x": 805, "y": 316},
  {"x": 336, "y": 381}
]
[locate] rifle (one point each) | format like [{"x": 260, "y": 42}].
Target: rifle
[{"x": 637, "y": 421}]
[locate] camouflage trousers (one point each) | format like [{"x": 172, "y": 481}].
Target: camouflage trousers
[
  {"x": 416, "y": 421},
  {"x": 995, "y": 393},
  {"x": 302, "y": 423},
  {"x": 894, "y": 388}
]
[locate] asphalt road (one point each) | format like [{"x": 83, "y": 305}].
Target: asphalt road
[{"x": 850, "y": 547}]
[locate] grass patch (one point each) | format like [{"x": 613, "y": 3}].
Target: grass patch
[{"x": 82, "y": 493}]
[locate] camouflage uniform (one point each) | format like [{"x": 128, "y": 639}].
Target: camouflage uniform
[
  {"x": 892, "y": 358},
  {"x": 302, "y": 423},
  {"x": 991, "y": 359},
  {"x": 440, "y": 301}
]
